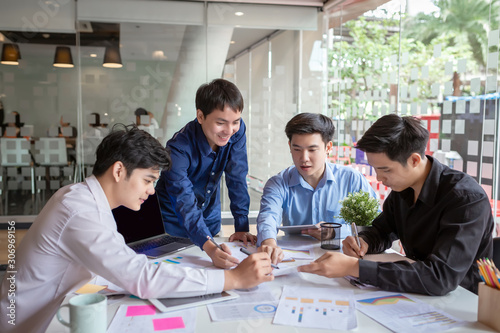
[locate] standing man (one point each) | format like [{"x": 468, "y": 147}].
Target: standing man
[
  {"x": 309, "y": 191},
  {"x": 189, "y": 193},
  {"x": 75, "y": 237},
  {"x": 442, "y": 217}
]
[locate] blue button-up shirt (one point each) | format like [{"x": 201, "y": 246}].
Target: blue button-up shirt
[
  {"x": 189, "y": 193},
  {"x": 290, "y": 200}
]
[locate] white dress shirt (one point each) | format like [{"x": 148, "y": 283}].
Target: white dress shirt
[{"x": 73, "y": 238}]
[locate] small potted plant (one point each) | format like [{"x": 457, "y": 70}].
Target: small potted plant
[{"x": 360, "y": 208}]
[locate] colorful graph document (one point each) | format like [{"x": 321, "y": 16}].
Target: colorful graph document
[
  {"x": 145, "y": 319},
  {"x": 185, "y": 261},
  {"x": 316, "y": 308},
  {"x": 255, "y": 303},
  {"x": 403, "y": 313}
]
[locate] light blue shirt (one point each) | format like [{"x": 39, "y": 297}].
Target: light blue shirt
[{"x": 290, "y": 200}]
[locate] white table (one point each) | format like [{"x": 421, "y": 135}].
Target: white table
[{"x": 460, "y": 303}]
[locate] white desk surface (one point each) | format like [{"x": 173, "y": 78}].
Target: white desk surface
[{"x": 460, "y": 303}]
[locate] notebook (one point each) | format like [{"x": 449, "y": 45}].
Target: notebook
[{"x": 144, "y": 231}]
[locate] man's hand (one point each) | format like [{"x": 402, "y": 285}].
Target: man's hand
[
  {"x": 350, "y": 247},
  {"x": 271, "y": 248},
  {"x": 250, "y": 272},
  {"x": 315, "y": 232},
  {"x": 332, "y": 264},
  {"x": 220, "y": 258},
  {"x": 243, "y": 236}
]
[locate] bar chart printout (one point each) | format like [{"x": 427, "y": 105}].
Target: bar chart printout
[
  {"x": 403, "y": 313},
  {"x": 316, "y": 308}
]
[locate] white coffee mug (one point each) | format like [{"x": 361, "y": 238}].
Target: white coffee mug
[{"x": 87, "y": 314}]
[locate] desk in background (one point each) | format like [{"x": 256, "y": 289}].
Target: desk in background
[{"x": 460, "y": 303}]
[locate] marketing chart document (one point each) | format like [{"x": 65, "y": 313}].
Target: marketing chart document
[
  {"x": 254, "y": 303},
  {"x": 316, "y": 308},
  {"x": 404, "y": 313}
]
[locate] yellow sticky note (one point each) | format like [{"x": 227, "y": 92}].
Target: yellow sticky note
[{"x": 90, "y": 289}]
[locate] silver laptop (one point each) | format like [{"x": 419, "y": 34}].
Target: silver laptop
[{"x": 144, "y": 231}]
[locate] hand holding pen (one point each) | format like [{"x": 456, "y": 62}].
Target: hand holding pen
[
  {"x": 245, "y": 251},
  {"x": 354, "y": 230},
  {"x": 222, "y": 258}
]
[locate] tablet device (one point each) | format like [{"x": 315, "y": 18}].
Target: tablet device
[
  {"x": 296, "y": 229},
  {"x": 171, "y": 304}
]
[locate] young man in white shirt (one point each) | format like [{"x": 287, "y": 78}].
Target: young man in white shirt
[{"x": 75, "y": 237}]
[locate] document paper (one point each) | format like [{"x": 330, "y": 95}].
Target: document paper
[
  {"x": 324, "y": 308},
  {"x": 255, "y": 303},
  {"x": 403, "y": 313},
  {"x": 144, "y": 319}
]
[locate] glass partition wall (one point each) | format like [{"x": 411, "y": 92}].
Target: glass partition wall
[{"x": 132, "y": 62}]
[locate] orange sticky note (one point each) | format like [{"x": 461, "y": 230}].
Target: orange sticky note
[{"x": 90, "y": 289}]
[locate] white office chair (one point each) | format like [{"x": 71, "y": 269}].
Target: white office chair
[
  {"x": 53, "y": 170},
  {"x": 15, "y": 157}
]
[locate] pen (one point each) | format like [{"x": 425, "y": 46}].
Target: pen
[
  {"x": 215, "y": 243},
  {"x": 354, "y": 230},
  {"x": 245, "y": 251}
]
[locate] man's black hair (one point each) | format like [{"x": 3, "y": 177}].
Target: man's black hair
[
  {"x": 397, "y": 137},
  {"x": 218, "y": 94},
  {"x": 135, "y": 148},
  {"x": 310, "y": 123}
]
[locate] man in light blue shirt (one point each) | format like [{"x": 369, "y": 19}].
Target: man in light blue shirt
[{"x": 308, "y": 192}]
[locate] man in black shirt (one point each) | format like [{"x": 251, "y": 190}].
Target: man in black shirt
[{"x": 442, "y": 217}]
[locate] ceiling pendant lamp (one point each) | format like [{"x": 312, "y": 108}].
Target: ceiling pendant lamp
[
  {"x": 63, "y": 58},
  {"x": 112, "y": 58},
  {"x": 10, "y": 54}
]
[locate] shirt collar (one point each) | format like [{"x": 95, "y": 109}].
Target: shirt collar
[
  {"x": 296, "y": 178},
  {"x": 99, "y": 195},
  {"x": 201, "y": 139},
  {"x": 430, "y": 187}
]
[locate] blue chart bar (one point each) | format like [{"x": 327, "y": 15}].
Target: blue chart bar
[{"x": 300, "y": 314}]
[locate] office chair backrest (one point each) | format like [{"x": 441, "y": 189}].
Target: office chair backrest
[{"x": 496, "y": 251}]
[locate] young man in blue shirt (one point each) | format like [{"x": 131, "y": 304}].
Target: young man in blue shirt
[
  {"x": 189, "y": 193},
  {"x": 308, "y": 192},
  {"x": 442, "y": 217}
]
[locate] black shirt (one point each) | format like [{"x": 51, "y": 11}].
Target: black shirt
[{"x": 447, "y": 229}]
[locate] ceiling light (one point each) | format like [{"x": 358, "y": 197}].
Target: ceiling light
[
  {"x": 63, "y": 58},
  {"x": 112, "y": 58},
  {"x": 232, "y": 42},
  {"x": 10, "y": 54},
  {"x": 93, "y": 55},
  {"x": 159, "y": 55},
  {"x": 239, "y": 13}
]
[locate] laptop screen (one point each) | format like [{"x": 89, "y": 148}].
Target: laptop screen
[{"x": 141, "y": 224}]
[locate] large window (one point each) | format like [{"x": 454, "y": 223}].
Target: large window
[{"x": 434, "y": 60}]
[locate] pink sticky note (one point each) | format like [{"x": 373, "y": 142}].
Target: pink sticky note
[
  {"x": 164, "y": 324},
  {"x": 140, "y": 310}
]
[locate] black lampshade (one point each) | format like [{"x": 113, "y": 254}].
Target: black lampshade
[
  {"x": 112, "y": 58},
  {"x": 10, "y": 54},
  {"x": 63, "y": 58}
]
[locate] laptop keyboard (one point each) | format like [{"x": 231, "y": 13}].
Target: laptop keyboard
[{"x": 157, "y": 242}]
